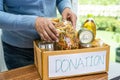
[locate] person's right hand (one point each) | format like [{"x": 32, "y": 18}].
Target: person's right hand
[{"x": 46, "y": 29}]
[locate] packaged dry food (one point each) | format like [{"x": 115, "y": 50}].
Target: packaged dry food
[{"x": 68, "y": 36}]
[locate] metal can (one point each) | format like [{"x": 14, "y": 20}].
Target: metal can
[
  {"x": 41, "y": 44},
  {"x": 85, "y": 37},
  {"x": 47, "y": 46}
]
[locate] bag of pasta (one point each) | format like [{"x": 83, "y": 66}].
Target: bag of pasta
[{"x": 68, "y": 38}]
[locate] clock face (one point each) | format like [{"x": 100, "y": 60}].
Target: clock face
[{"x": 86, "y": 36}]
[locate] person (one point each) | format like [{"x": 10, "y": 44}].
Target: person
[{"x": 23, "y": 21}]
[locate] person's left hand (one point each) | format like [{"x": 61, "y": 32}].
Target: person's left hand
[{"x": 67, "y": 14}]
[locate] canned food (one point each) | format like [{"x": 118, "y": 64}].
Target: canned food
[
  {"x": 47, "y": 46},
  {"x": 85, "y": 37}
]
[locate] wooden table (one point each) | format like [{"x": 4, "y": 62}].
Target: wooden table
[
  {"x": 30, "y": 73},
  {"x": 23, "y": 73}
]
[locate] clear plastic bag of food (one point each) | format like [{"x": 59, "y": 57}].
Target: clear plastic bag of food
[{"x": 68, "y": 36}]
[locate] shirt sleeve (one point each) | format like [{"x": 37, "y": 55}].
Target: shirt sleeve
[
  {"x": 62, "y": 4},
  {"x": 11, "y": 21}
]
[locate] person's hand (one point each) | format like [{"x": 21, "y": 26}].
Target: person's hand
[
  {"x": 67, "y": 14},
  {"x": 46, "y": 29}
]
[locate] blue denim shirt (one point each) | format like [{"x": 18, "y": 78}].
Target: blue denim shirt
[{"x": 17, "y": 19}]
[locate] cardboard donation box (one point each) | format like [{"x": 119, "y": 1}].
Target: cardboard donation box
[{"x": 70, "y": 63}]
